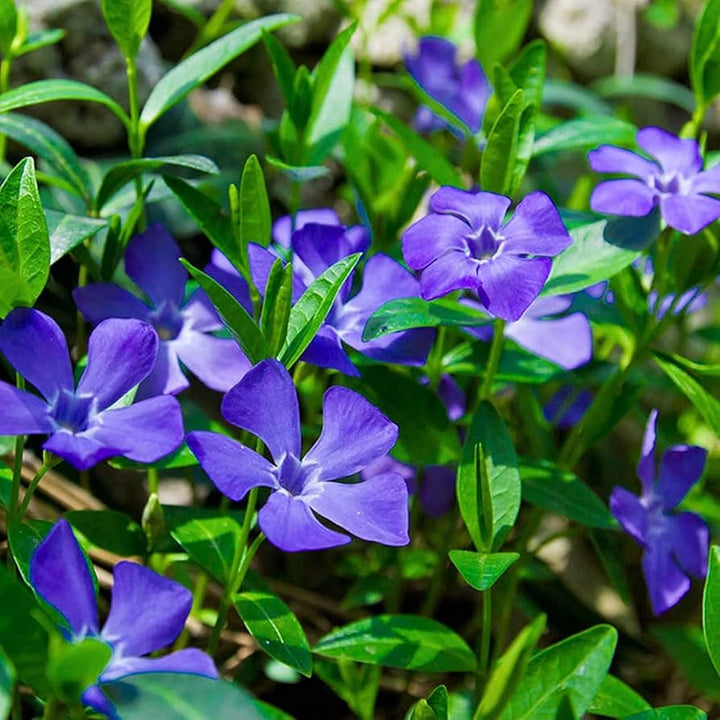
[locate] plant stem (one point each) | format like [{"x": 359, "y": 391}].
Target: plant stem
[
  {"x": 51, "y": 710},
  {"x": 136, "y": 135},
  {"x": 494, "y": 359},
  {"x": 153, "y": 478},
  {"x": 31, "y": 490},
  {"x": 485, "y": 636}
]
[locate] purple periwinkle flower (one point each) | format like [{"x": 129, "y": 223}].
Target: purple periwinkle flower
[
  {"x": 282, "y": 227},
  {"x": 147, "y": 613},
  {"x": 84, "y": 424},
  {"x": 675, "y": 545},
  {"x": 185, "y": 327},
  {"x": 463, "y": 244},
  {"x": 566, "y": 340},
  {"x": 672, "y": 178},
  {"x": 355, "y": 434},
  {"x": 462, "y": 89}
]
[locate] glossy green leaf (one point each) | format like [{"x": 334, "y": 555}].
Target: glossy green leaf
[
  {"x": 128, "y": 22},
  {"x": 312, "y": 308},
  {"x": 210, "y": 541},
  {"x": 585, "y": 133},
  {"x": 202, "y": 65},
  {"x": 481, "y": 570},
  {"x": 8, "y": 25},
  {"x": 24, "y": 240},
  {"x": 499, "y": 28},
  {"x": 122, "y": 173},
  {"x": 711, "y": 607},
  {"x": 528, "y": 71},
  {"x": 499, "y": 156},
  {"x": 24, "y": 538},
  {"x": 75, "y": 666},
  {"x": 525, "y": 142},
  {"x": 355, "y": 683},
  {"x": 488, "y": 481},
  {"x": 233, "y": 314},
  {"x": 568, "y": 94},
  {"x": 705, "y": 53},
  {"x": 434, "y": 441},
  {"x": 69, "y": 231},
  {"x": 23, "y": 639},
  {"x": 410, "y": 642},
  {"x": 615, "y": 699},
  {"x": 414, "y": 312},
  {"x": 560, "y": 491},
  {"x": 7, "y": 684},
  {"x": 435, "y": 707},
  {"x": 672, "y": 712},
  {"x": 428, "y": 157},
  {"x": 40, "y": 39},
  {"x": 48, "y": 144},
  {"x": 275, "y": 628},
  {"x": 568, "y": 673},
  {"x": 178, "y": 696},
  {"x": 282, "y": 65},
  {"x": 707, "y": 405},
  {"x": 277, "y": 303},
  {"x": 298, "y": 173},
  {"x": 109, "y": 529},
  {"x": 643, "y": 85},
  {"x": 43, "y": 91},
  {"x": 591, "y": 258},
  {"x": 255, "y": 218},
  {"x": 210, "y": 218},
  {"x": 509, "y": 671}
]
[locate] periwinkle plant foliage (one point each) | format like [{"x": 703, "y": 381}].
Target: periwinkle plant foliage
[{"x": 426, "y": 398}]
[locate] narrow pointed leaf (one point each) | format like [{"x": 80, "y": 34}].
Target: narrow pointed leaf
[
  {"x": 128, "y": 22},
  {"x": 711, "y": 607},
  {"x": 585, "y": 133},
  {"x": 499, "y": 156},
  {"x": 68, "y": 231},
  {"x": 282, "y": 65},
  {"x": 7, "y": 683},
  {"x": 705, "y": 53},
  {"x": 615, "y": 699},
  {"x": 255, "y": 218},
  {"x": 277, "y": 302}
]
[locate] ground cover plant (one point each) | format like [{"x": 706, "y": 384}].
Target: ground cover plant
[{"x": 443, "y": 446}]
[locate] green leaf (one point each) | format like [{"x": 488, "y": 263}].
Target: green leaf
[
  {"x": 202, "y": 65},
  {"x": 410, "y": 642},
  {"x": 525, "y": 140},
  {"x": 282, "y": 65},
  {"x": 591, "y": 258},
  {"x": 179, "y": 696},
  {"x": 705, "y": 54},
  {"x": 128, "y": 22},
  {"x": 210, "y": 541},
  {"x": 277, "y": 631},
  {"x": 43, "y": 91},
  {"x": 711, "y": 607},
  {"x": 255, "y": 218},
  {"x": 585, "y": 133},
  {"x": 615, "y": 699},
  {"x": 24, "y": 240},
  {"x": 298, "y": 173},
  {"x": 24, "y": 538},
  {"x": 355, "y": 683},
  {"x": 414, "y": 312},
  {"x": 488, "y": 482},
  {"x": 233, "y": 314},
  {"x": 208, "y": 216},
  {"x": 568, "y": 673},
  {"x": 109, "y": 529},
  {"x": 8, "y": 26},
  {"x": 702, "y": 369},
  {"x": 333, "y": 82},
  {"x": 122, "y": 173},
  {"x": 73, "y": 667},
  {"x": 312, "y": 308},
  {"x": 500, "y": 26},
  {"x": 7, "y": 683},
  {"x": 23, "y": 639},
  {"x": 528, "y": 71},
  {"x": 672, "y": 712},
  {"x": 509, "y": 671},
  {"x": 706, "y": 404},
  {"x": 50, "y": 146},
  {"x": 481, "y": 571},
  {"x": 68, "y": 231},
  {"x": 434, "y": 441},
  {"x": 573, "y": 96},
  {"x": 276, "y": 305},
  {"x": 40, "y": 39},
  {"x": 560, "y": 491},
  {"x": 428, "y": 157},
  {"x": 499, "y": 156},
  {"x": 643, "y": 85}
]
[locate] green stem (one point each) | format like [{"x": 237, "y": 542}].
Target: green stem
[
  {"x": 494, "y": 359},
  {"x": 433, "y": 366},
  {"x": 295, "y": 190},
  {"x": 153, "y": 478},
  {"x": 31, "y": 490},
  {"x": 136, "y": 135},
  {"x": 5, "y": 66},
  {"x": 81, "y": 333},
  {"x": 439, "y": 575},
  {"x": 485, "y": 636}
]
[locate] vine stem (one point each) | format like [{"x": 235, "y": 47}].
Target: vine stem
[
  {"x": 31, "y": 490},
  {"x": 494, "y": 359},
  {"x": 484, "y": 645}
]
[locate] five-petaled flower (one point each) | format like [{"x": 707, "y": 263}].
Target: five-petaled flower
[
  {"x": 355, "y": 434},
  {"x": 185, "y": 328},
  {"x": 463, "y": 244},
  {"x": 672, "y": 179},
  {"x": 675, "y": 546},
  {"x": 462, "y": 89},
  {"x": 84, "y": 423},
  {"x": 147, "y": 613}
]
